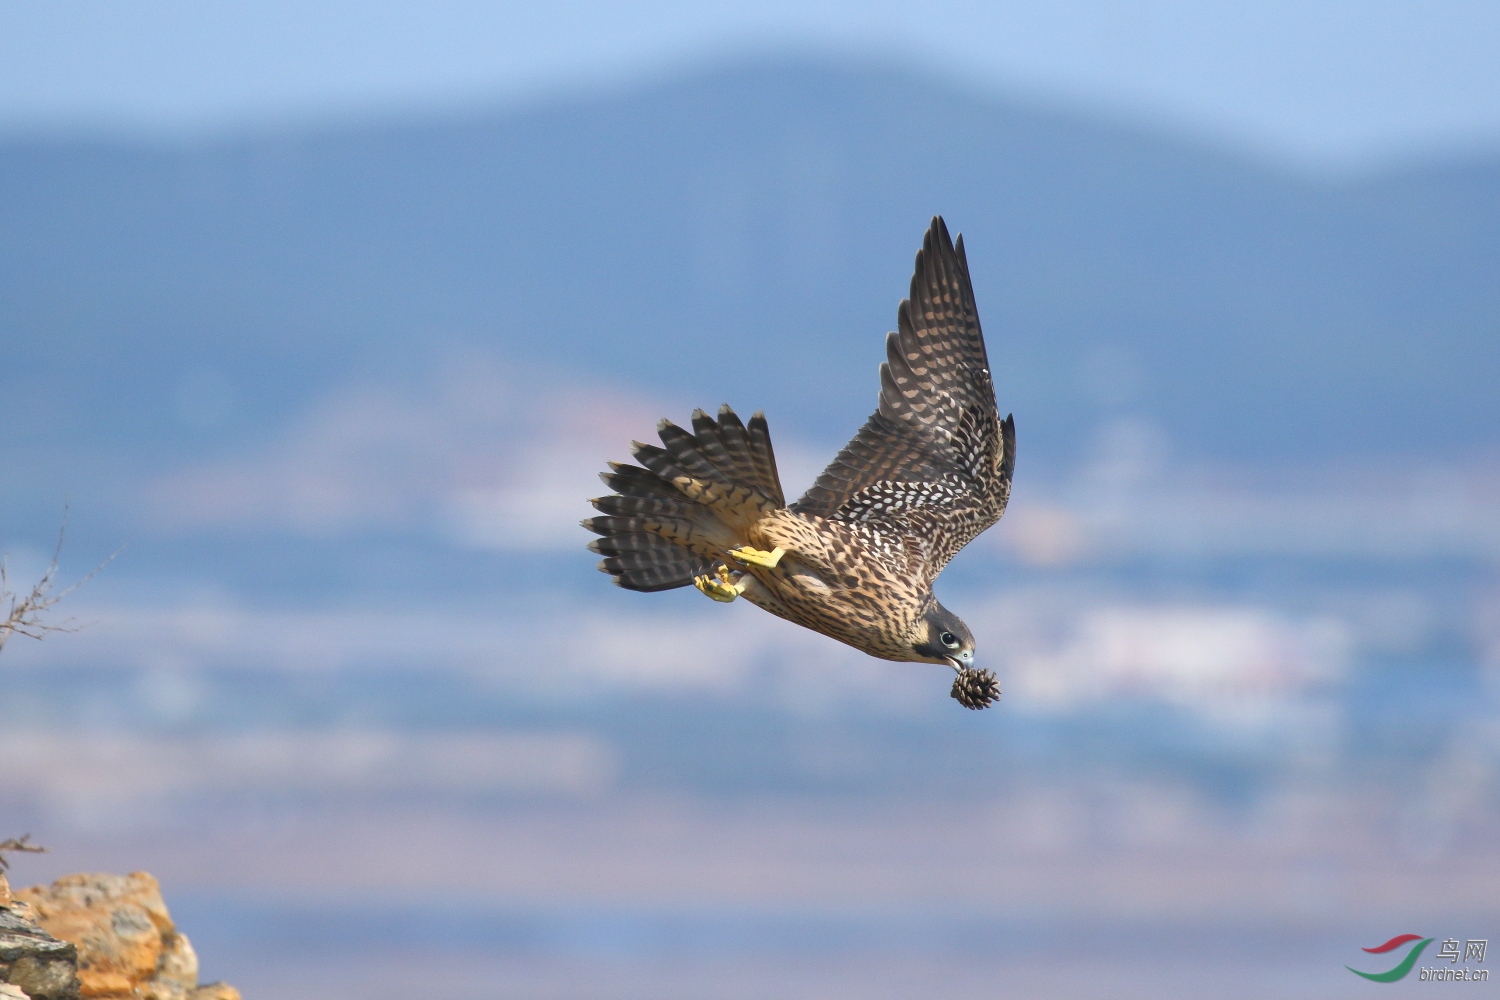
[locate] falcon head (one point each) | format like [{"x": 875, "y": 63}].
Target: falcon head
[{"x": 942, "y": 637}]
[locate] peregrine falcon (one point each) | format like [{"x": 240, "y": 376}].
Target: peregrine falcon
[{"x": 856, "y": 556}]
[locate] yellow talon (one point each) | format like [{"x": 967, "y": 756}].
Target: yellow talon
[
  {"x": 758, "y": 557},
  {"x": 723, "y": 588}
]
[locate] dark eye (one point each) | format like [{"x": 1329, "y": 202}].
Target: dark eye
[{"x": 949, "y": 640}]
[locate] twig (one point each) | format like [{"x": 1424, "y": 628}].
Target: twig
[
  {"x": 22, "y": 844},
  {"x": 24, "y": 614}
]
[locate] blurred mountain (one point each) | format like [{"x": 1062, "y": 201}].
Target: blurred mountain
[{"x": 743, "y": 235}]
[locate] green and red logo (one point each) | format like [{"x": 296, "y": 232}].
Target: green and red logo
[{"x": 1402, "y": 967}]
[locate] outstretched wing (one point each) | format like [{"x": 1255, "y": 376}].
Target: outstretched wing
[{"x": 932, "y": 465}]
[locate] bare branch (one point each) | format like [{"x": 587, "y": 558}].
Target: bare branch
[
  {"x": 21, "y": 844},
  {"x": 24, "y": 614}
]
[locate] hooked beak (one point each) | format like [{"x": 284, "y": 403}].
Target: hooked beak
[{"x": 961, "y": 662}]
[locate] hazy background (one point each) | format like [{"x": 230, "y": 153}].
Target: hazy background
[{"x": 330, "y": 312}]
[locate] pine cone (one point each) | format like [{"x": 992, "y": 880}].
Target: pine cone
[{"x": 975, "y": 688}]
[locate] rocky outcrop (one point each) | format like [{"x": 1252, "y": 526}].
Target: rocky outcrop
[
  {"x": 33, "y": 963},
  {"x": 127, "y": 947}
]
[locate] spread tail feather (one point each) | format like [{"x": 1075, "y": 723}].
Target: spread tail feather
[{"x": 673, "y": 519}]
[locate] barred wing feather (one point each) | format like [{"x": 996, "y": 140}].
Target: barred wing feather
[{"x": 932, "y": 465}]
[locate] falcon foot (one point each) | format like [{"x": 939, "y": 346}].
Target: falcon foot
[
  {"x": 758, "y": 557},
  {"x": 723, "y": 587},
  {"x": 975, "y": 688}
]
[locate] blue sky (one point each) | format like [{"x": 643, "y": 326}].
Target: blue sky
[{"x": 1316, "y": 83}]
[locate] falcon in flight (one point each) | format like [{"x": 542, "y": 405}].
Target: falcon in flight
[{"x": 856, "y": 556}]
